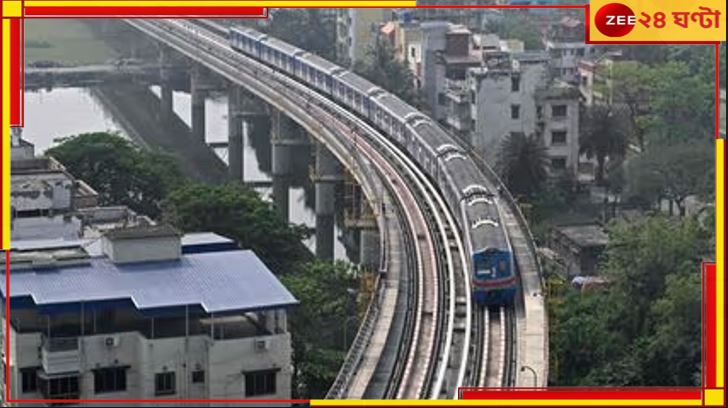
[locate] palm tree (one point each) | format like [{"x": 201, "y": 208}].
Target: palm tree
[
  {"x": 522, "y": 163},
  {"x": 603, "y": 136}
]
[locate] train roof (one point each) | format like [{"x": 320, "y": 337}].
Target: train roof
[
  {"x": 483, "y": 220},
  {"x": 283, "y": 46},
  {"x": 250, "y": 32},
  {"x": 321, "y": 64},
  {"x": 395, "y": 105},
  {"x": 432, "y": 133},
  {"x": 358, "y": 83}
]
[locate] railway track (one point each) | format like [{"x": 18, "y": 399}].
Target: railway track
[{"x": 448, "y": 343}]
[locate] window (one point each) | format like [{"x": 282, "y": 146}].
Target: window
[
  {"x": 558, "y": 111},
  {"x": 558, "y": 163},
  {"x": 515, "y": 83},
  {"x": 260, "y": 383},
  {"x": 29, "y": 379},
  {"x": 558, "y": 137},
  {"x": 412, "y": 52},
  {"x": 580, "y": 52},
  {"x": 198, "y": 376},
  {"x": 164, "y": 383},
  {"x": 60, "y": 387},
  {"x": 110, "y": 379},
  {"x": 515, "y": 111}
]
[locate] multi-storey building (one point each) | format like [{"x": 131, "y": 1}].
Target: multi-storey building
[
  {"x": 356, "y": 32},
  {"x": 557, "y": 121},
  {"x": 503, "y": 98},
  {"x": 447, "y": 53},
  {"x": 149, "y": 318},
  {"x": 42, "y": 186},
  {"x": 104, "y": 304},
  {"x": 510, "y": 94},
  {"x": 405, "y": 36},
  {"x": 564, "y": 41}
]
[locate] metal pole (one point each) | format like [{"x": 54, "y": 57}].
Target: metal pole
[{"x": 535, "y": 376}]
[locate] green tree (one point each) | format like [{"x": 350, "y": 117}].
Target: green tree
[
  {"x": 632, "y": 87},
  {"x": 323, "y": 289},
  {"x": 238, "y": 212},
  {"x": 516, "y": 25},
  {"x": 673, "y": 172},
  {"x": 682, "y": 105},
  {"x": 382, "y": 68},
  {"x": 581, "y": 338},
  {"x": 676, "y": 339},
  {"x": 304, "y": 28},
  {"x": 522, "y": 163},
  {"x": 602, "y": 136},
  {"x": 645, "y": 329},
  {"x": 639, "y": 257},
  {"x": 119, "y": 171}
]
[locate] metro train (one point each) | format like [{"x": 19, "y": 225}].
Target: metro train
[{"x": 493, "y": 274}]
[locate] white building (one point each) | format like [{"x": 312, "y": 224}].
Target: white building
[
  {"x": 20, "y": 149},
  {"x": 504, "y": 98},
  {"x": 557, "y": 119},
  {"x": 43, "y": 186},
  {"x": 565, "y": 44},
  {"x": 511, "y": 94},
  {"x": 150, "y": 318}
]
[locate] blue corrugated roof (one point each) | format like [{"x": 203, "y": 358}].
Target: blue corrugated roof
[{"x": 215, "y": 281}]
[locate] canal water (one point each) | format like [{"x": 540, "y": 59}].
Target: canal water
[{"x": 61, "y": 112}]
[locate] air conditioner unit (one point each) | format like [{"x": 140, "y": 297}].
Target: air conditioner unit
[
  {"x": 261, "y": 345},
  {"x": 111, "y": 341}
]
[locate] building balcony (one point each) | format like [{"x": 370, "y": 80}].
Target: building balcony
[
  {"x": 60, "y": 355},
  {"x": 460, "y": 124},
  {"x": 457, "y": 90}
]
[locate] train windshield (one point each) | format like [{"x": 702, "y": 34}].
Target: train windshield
[{"x": 482, "y": 264}]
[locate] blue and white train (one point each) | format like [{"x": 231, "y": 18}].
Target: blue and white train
[{"x": 494, "y": 278}]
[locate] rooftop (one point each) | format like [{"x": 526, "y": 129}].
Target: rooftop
[
  {"x": 142, "y": 231},
  {"x": 585, "y": 236},
  {"x": 64, "y": 227},
  {"x": 216, "y": 282},
  {"x": 558, "y": 90}
]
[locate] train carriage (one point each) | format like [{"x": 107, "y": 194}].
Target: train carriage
[
  {"x": 282, "y": 54},
  {"x": 390, "y": 113},
  {"x": 355, "y": 92},
  {"x": 319, "y": 72},
  {"x": 247, "y": 40},
  {"x": 493, "y": 272}
]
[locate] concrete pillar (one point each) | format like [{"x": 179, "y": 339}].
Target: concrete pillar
[
  {"x": 198, "y": 91},
  {"x": 369, "y": 248},
  {"x": 281, "y": 163},
  {"x": 328, "y": 172},
  {"x": 235, "y": 136},
  {"x": 281, "y": 194},
  {"x": 281, "y": 129},
  {"x": 165, "y": 75}
]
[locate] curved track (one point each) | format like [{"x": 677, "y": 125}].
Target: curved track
[{"x": 447, "y": 343}]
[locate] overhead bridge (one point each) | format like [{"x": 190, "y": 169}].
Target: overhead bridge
[{"x": 421, "y": 336}]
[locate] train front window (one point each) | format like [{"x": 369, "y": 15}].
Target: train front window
[{"x": 482, "y": 267}]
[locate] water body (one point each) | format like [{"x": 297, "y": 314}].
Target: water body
[{"x": 61, "y": 112}]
